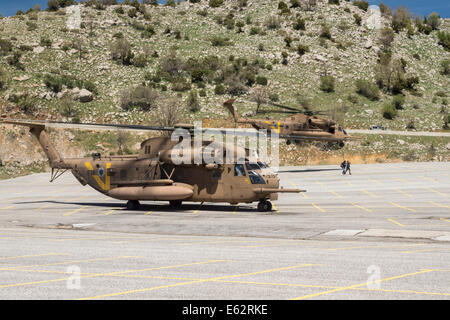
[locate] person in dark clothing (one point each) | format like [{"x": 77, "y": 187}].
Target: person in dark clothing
[
  {"x": 344, "y": 166},
  {"x": 347, "y": 168}
]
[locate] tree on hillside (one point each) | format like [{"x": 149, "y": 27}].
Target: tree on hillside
[
  {"x": 434, "y": 20},
  {"x": 260, "y": 96},
  {"x": 386, "y": 36},
  {"x": 401, "y": 18}
]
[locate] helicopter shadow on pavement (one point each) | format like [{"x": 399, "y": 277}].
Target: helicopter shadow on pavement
[
  {"x": 307, "y": 170},
  {"x": 146, "y": 207}
]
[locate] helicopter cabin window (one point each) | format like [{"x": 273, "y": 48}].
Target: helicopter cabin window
[
  {"x": 147, "y": 149},
  {"x": 123, "y": 174},
  {"x": 239, "y": 170}
]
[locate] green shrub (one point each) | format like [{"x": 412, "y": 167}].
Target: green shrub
[
  {"x": 3, "y": 79},
  {"x": 192, "y": 101},
  {"x": 119, "y": 10},
  {"x": 325, "y": 32},
  {"x": 261, "y": 80},
  {"x": 14, "y": 60},
  {"x": 445, "y": 65},
  {"x": 140, "y": 61},
  {"x": 132, "y": 13},
  {"x": 180, "y": 85},
  {"x": 45, "y": 42},
  {"x": 363, "y": 5},
  {"x": 302, "y": 49},
  {"x": 215, "y": 3},
  {"x": 327, "y": 83},
  {"x": 121, "y": 51},
  {"x": 254, "y": 31},
  {"x": 31, "y": 26},
  {"x": 401, "y": 18},
  {"x": 444, "y": 39},
  {"x": 219, "y": 89},
  {"x": 434, "y": 20},
  {"x": 299, "y": 24},
  {"x": 367, "y": 89},
  {"x": 389, "y": 111},
  {"x": 398, "y": 101},
  {"x": 220, "y": 41},
  {"x": 5, "y": 47},
  {"x": 273, "y": 22},
  {"x": 336, "y": 2},
  {"x": 141, "y": 97},
  {"x": 357, "y": 18}
]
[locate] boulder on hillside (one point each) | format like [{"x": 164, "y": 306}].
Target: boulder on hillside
[{"x": 85, "y": 96}]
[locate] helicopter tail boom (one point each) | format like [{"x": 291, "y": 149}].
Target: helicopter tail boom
[
  {"x": 229, "y": 105},
  {"x": 38, "y": 130}
]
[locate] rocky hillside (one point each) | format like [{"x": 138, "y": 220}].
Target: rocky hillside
[{"x": 125, "y": 63}]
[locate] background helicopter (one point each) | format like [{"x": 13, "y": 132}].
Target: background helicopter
[
  {"x": 153, "y": 175},
  {"x": 301, "y": 125}
]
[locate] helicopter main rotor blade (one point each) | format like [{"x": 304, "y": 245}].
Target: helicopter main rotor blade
[{"x": 85, "y": 126}]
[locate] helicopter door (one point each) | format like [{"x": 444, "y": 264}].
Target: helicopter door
[{"x": 241, "y": 187}]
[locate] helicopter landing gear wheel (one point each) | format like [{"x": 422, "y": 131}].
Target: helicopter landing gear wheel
[
  {"x": 176, "y": 204},
  {"x": 133, "y": 205},
  {"x": 264, "y": 206}
]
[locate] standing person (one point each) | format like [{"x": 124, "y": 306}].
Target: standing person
[
  {"x": 344, "y": 167},
  {"x": 347, "y": 168}
]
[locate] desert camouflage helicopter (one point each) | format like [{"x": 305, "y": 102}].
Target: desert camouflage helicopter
[
  {"x": 153, "y": 174},
  {"x": 297, "y": 127}
]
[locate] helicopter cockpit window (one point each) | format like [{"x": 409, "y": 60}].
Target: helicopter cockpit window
[
  {"x": 239, "y": 170},
  {"x": 252, "y": 166},
  {"x": 255, "y": 178},
  {"x": 262, "y": 165}
]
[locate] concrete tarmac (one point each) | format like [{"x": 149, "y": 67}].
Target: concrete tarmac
[{"x": 381, "y": 233}]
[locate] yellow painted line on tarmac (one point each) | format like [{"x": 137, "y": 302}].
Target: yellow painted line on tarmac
[
  {"x": 426, "y": 250},
  {"x": 376, "y": 181},
  {"x": 318, "y": 208},
  {"x": 362, "y": 284},
  {"x": 444, "y": 220},
  {"x": 403, "y": 207},
  {"x": 440, "y": 205},
  {"x": 336, "y": 194},
  {"x": 75, "y": 211},
  {"x": 401, "y": 180},
  {"x": 273, "y": 206},
  {"x": 429, "y": 179},
  {"x": 361, "y": 207},
  {"x": 374, "y": 247},
  {"x": 67, "y": 262},
  {"x": 194, "y": 282},
  {"x": 196, "y": 211},
  {"x": 435, "y": 191},
  {"x": 319, "y": 183},
  {"x": 393, "y": 221},
  {"x": 104, "y": 274},
  {"x": 147, "y": 213},
  {"x": 34, "y": 255},
  {"x": 403, "y": 192},
  {"x": 4, "y": 208},
  {"x": 302, "y": 193},
  {"x": 369, "y": 193},
  {"x": 111, "y": 211}
]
